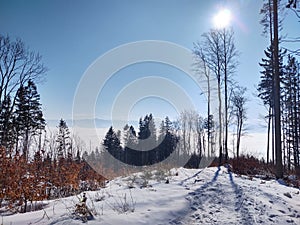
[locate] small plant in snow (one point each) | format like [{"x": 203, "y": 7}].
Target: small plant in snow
[
  {"x": 161, "y": 175},
  {"x": 144, "y": 183},
  {"x": 99, "y": 196},
  {"x": 146, "y": 175},
  {"x": 131, "y": 181},
  {"x": 123, "y": 204}
]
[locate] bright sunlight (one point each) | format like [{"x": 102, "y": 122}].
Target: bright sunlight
[{"x": 222, "y": 19}]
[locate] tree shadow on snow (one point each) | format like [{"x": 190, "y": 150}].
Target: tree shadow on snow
[
  {"x": 196, "y": 201},
  {"x": 211, "y": 194},
  {"x": 189, "y": 178},
  {"x": 239, "y": 202}
]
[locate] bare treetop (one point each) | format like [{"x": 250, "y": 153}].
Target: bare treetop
[{"x": 18, "y": 65}]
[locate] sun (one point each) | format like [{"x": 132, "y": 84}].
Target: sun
[{"x": 222, "y": 19}]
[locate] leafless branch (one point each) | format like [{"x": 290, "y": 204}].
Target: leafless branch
[
  {"x": 291, "y": 40},
  {"x": 295, "y": 52},
  {"x": 18, "y": 65},
  {"x": 297, "y": 13}
]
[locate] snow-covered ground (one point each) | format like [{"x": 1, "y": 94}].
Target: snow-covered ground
[{"x": 208, "y": 196}]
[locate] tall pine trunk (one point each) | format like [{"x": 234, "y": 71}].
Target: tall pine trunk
[
  {"x": 268, "y": 138},
  {"x": 279, "y": 168}
]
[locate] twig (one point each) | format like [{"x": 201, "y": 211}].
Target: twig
[
  {"x": 121, "y": 205},
  {"x": 291, "y": 40},
  {"x": 296, "y": 13},
  {"x": 45, "y": 214}
]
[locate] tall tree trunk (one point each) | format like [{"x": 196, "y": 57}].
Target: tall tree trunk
[
  {"x": 220, "y": 121},
  {"x": 25, "y": 145},
  {"x": 273, "y": 137},
  {"x": 208, "y": 116},
  {"x": 225, "y": 52},
  {"x": 226, "y": 112},
  {"x": 296, "y": 125},
  {"x": 239, "y": 134},
  {"x": 297, "y": 113},
  {"x": 279, "y": 168},
  {"x": 268, "y": 138}
]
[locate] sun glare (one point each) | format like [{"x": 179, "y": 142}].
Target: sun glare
[{"x": 222, "y": 19}]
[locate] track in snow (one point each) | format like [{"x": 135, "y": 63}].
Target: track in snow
[{"x": 222, "y": 200}]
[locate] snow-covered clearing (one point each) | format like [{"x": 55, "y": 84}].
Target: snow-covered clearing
[{"x": 208, "y": 196}]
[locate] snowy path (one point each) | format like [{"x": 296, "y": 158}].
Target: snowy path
[
  {"x": 226, "y": 200},
  {"x": 208, "y": 196}
]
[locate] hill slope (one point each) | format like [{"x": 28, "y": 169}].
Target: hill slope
[{"x": 207, "y": 196}]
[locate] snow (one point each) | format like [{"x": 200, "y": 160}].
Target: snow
[{"x": 204, "y": 196}]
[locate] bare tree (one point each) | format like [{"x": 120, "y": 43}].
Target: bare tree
[
  {"x": 238, "y": 111},
  {"x": 212, "y": 50},
  {"x": 192, "y": 132},
  {"x": 229, "y": 58},
  {"x": 220, "y": 55},
  {"x": 202, "y": 67},
  {"x": 18, "y": 65}
]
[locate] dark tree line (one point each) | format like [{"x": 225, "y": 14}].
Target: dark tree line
[
  {"x": 291, "y": 113},
  {"x": 181, "y": 142},
  {"x": 142, "y": 148},
  {"x": 289, "y": 106}
]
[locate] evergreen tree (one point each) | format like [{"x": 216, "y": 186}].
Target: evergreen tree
[
  {"x": 167, "y": 139},
  {"x": 112, "y": 144},
  {"x": 6, "y": 124},
  {"x": 209, "y": 127},
  {"x": 63, "y": 140},
  {"x": 130, "y": 139},
  {"x": 291, "y": 112},
  {"x": 144, "y": 131},
  {"x": 152, "y": 129},
  {"x": 29, "y": 119},
  {"x": 266, "y": 89},
  {"x": 130, "y": 144},
  {"x": 147, "y": 138}
]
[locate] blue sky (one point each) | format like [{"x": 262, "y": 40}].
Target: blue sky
[{"x": 71, "y": 35}]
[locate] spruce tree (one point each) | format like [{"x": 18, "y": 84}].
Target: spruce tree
[
  {"x": 29, "y": 119},
  {"x": 63, "y": 140},
  {"x": 167, "y": 139},
  {"x": 290, "y": 112},
  {"x": 6, "y": 124},
  {"x": 130, "y": 144},
  {"x": 112, "y": 144},
  {"x": 147, "y": 138},
  {"x": 266, "y": 88}
]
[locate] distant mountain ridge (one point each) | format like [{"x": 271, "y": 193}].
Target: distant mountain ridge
[{"x": 89, "y": 123}]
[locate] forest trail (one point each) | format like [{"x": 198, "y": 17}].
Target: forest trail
[{"x": 231, "y": 199}]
